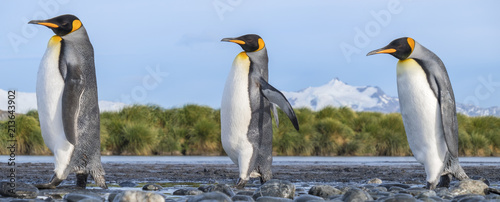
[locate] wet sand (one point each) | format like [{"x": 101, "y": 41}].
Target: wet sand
[{"x": 224, "y": 173}]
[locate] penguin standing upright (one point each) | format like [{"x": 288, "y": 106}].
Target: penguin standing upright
[
  {"x": 67, "y": 102},
  {"x": 246, "y": 125},
  {"x": 428, "y": 108}
]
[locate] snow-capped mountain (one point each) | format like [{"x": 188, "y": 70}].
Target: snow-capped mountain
[
  {"x": 362, "y": 98},
  {"x": 339, "y": 94},
  {"x": 27, "y": 101}
]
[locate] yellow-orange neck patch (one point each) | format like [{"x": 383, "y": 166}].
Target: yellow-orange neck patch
[
  {"x": 76, "y": 25},
  {"x": 243, "y": 55},
  {"x": 261, "y": 44},
  {"x": 411, "y": 42},
  {"x": 55, "y": 40}
]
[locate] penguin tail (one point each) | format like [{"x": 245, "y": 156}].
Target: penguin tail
[{"x": 453, "y": 167}]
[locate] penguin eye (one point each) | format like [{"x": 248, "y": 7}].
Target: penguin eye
[{"x": 64, "y": 24}]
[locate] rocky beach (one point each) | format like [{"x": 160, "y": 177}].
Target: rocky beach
[{"x": 316, "y": 182}]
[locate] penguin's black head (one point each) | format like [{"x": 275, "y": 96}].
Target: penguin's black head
[
  {"x": 61, "y": 25},
  {"x": 249, "y": 42},
  {"x": 400, "y": 48}
]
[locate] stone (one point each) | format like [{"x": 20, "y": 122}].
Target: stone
[
  {"x": 375, "y": 181},
  {"x": 242, "y": 198},
  {"x": 378, "y": 189},
  {"x": 210, "y": 196},
  {"x": 380, "y": 194},
  {"x": 492, "y": 197},
  {"x": 469, "y": 187},
  {"x": 389, "y": 185},
  {"x": 75, "y": 197},
  {"x": 469, "y": 198},
  {"x": 432, "y": 199},
  {"x": 480, "y": 178},
  {"x": 127, "y": 184},
  {"x": 272, "y": 199},
  {"x": 442, "y": 191},
  {"x": 204, "y": 188},
  {"x": 138, "y": 196},
  {"x": 112, "y": 196},
  {"x": 22, "y": 190},
  {"x": 245, "y": 193},
  {"x": 275, "y": 188},
  {"x": 426, "y": 194},
  {"x": 399, "y": 198},
  {"x": 223, "y": 188},
  {"x": 324, "y": 191},
  {"x": 415, "y": 191},
  {"x": 355, "y": 194},
  {"x": 188, "y": 191},
  {"x": 300, "y": 191},
  {"x": 308, "y": 198},
  {"x": 396, "y": 189},
  {"x": 152, "y": 187}
]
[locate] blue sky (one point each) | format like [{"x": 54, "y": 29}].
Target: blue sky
[{"x": 169, "y": 52}]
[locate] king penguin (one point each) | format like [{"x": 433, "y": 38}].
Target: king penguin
[
  {"x": 68, "y": 109},
  {"x": 246, "y": 125},
  {"x": 428, "y": 109}
]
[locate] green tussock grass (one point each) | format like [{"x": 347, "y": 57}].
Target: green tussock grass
[{"x": 195, "y": 130}]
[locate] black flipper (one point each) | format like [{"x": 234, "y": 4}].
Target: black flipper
[
  {"x": 73, "y": 89},
  {"x": 275, "y": 96}
]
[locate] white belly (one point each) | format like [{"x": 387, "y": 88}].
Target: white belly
[
  {"x": 421, "y": 117},
  {"x": 49, "y": 89},
  {"x": 236, "y": 112}
]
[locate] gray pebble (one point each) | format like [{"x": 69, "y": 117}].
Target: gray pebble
[
  {"x": 379, "y": 195},
  {"x": 127, "y": 184},
  {"x": 355, "y": 194},
  {"x": 223, "y": 188},
  {"x": 152, "y": 187},
  {"x": 245, "y": 193},
  {"x": 242, "y": 198},
  {"x": 75, "y": 197},
  {"x": 187, "y": 191},
  {"x": 492, "y": 197},
  {"x": 415, "y": 191},
  {"x": 308, "y": 198},
  {"x": 389, "y": 185},
  {"x": 275, "y": 188},
  {"x": 324, "y": 191},
  {"x": 469, "y": 187},
  {"x": 375, "y": 181},
  {"x": 22, "y": 190},
  {"x": 480, "y": 178},
  {"x": 396, "y": 189},
  {"x": 138, "y": 196},
  {"x": 272, "y": 199},
  {"x": 210, "y": 196}
]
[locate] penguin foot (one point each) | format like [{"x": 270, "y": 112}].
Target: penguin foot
[
  {"x": 54, "y": 181},
  {"x": 431, "y": 186},
  {"x": 81, "y": 180},
  {"x": 241, "y": 183},
  {"x": 100, "y": 181},
  {"x": 445, "y": 181}
]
